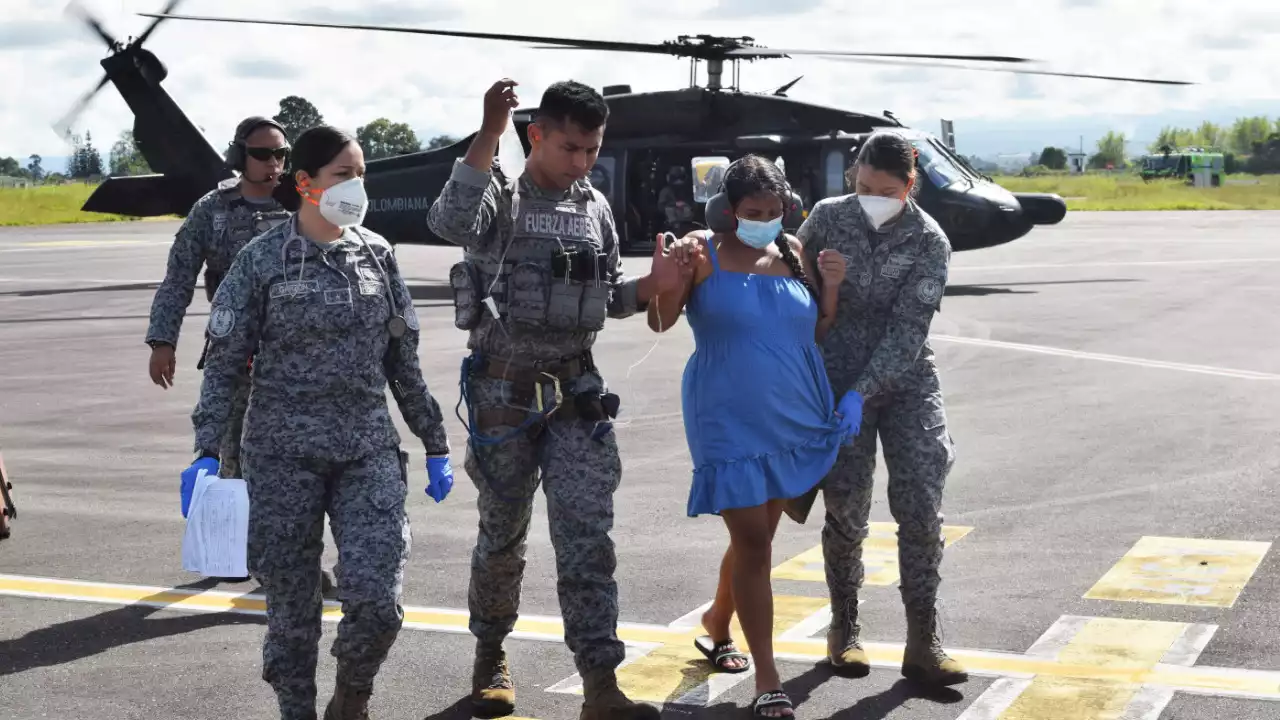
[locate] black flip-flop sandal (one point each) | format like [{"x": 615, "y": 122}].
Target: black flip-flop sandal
[
  {"x": 770, "y": 700},
  {"x": 719, "y": 653}
]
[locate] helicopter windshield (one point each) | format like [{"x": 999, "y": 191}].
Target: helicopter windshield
[{"x": 940, "y": 169}]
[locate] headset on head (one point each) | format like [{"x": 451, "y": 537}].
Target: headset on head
[
  {"x": 236, "y": 149},
  {"x": 720, "y": 217}
]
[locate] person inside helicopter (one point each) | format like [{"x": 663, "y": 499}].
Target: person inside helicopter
[{"x": 675, "y": 201}]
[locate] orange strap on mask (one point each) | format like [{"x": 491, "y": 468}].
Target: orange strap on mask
[{"x": 306, "y": 194}]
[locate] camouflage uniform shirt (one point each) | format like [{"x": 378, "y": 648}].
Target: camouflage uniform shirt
[
  {"x": 893, "y": 286},
  {"x": 317, "y": 316},
  {"x": 216, "y": 228}
]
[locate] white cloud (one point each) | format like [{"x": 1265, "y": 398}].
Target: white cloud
[{"x": 219, "y": 73}]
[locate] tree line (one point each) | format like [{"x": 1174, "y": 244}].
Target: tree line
[
  {"x": 1249, "y": 145},
  {"x": 378, "y": 139}
]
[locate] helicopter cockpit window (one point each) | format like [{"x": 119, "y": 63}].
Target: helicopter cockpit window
[
  {"x": 708, "y": 173},
  {"x": 941, "y": 171}
]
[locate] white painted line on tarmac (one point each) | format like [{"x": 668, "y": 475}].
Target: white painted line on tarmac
[
  {"x": 1112, "y": 263},
  {"x": 1102, "y": 357},
  {"x": 84, "y": 281},
  {"x": 998, "y": 697}
]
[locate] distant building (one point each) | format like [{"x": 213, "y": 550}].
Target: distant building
[{"x": 1076, "y": 162}]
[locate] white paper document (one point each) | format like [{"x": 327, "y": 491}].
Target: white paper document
[{"x": 216, "y": 543}]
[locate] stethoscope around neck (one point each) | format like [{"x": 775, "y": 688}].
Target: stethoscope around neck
[{"x": 396, "y": 324}]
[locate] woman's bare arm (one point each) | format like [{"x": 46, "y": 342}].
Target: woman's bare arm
[{"x": 664, "y": 310}]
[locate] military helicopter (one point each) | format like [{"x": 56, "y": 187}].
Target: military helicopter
[{"x": 652, "y": 140}]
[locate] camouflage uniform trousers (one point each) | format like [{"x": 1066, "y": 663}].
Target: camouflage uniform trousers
[
  {"x": 918, "y": 453},
  {"x": 579, "y": 476},
  {"x": 365, "y": 500}
]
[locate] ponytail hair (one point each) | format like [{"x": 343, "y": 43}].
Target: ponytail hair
[{"x": 314, "y": 149}]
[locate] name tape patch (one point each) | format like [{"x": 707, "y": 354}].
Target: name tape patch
[
  {"x": 558, "y": 222},
  {"x": 293, "y": 288}
]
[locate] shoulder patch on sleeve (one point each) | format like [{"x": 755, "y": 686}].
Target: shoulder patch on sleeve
[
  {"x": 929, "y": 290},
  {"x": 222, "y": 319}
]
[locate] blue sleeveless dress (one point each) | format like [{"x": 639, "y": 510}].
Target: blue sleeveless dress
[{"x": 759, "y": 412}]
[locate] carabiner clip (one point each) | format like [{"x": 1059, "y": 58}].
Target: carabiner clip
[{"x": 555, "y": 384}]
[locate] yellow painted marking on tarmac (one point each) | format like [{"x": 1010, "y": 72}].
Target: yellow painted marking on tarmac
[
  {"x": 1132, "y": 645},
  {"x": 221, "y": 601},
  {"x": 1181, "y": 571},
  {"x": 1098, "y": 664},
  {"x": 879, "y": 556},
  {"x": 677, "y": 667}
]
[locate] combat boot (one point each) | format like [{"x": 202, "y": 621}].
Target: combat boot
[
  {"x": 493, "y": 694},
  {"x": 348, "y": 703},
  {"x": 605, "y": 701},
  {"x": 844, "y": 648},
  {"x": 923, "y": 659}
]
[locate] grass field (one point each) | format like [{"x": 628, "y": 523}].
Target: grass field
[
  {"x": 1112, "y": 192},
  {"x": 61, "y": 203},
  {"x": 49, "y": 205}
]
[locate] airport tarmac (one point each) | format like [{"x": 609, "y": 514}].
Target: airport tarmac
[{"x": 1112, "y": 385}]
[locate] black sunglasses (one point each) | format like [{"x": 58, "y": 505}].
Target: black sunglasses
[{"x": 263, "y": 154}]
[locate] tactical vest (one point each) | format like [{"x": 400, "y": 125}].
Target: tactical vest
[
  {"x": 551, "y": 273},
  {"x": 264, "y": 221},
  {"x": 239, "y": 224}
]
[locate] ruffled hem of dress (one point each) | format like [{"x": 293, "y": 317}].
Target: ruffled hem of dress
[{"x": 757, "y": 479}]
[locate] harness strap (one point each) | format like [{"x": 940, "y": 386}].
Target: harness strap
[{"x": 523, "y": 374}]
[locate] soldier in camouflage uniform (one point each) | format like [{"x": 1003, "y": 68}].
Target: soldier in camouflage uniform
[
  {"x": 897, "y": 270},
  {"x": 324, "y": 308},
  {"x": 541, "y": 272},
  {"x": 218, "y": 225}
]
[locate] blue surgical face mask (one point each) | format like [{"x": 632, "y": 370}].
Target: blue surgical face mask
[{"x": 759, "y": 234}]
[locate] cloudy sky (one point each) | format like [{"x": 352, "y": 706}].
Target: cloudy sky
[{"x": 219, "y": 73}]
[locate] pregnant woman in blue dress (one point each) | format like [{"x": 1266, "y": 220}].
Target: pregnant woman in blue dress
[{"x": 760, "y": 416}]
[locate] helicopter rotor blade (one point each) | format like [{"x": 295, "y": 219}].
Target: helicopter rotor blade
[
  {"x": 753, "y": 53},
  {"x": 63, "y": 126},
  {"x": 1016, "y": 71},
  {"x": 655, "y": 48},
  {"x": 78, "y": 11},
  {"x": 168, "y": 9}
]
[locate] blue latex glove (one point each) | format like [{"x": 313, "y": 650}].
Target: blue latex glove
[
  {"x": 439, "y": 477},
  {"x": 209, "y": 465},
  {"x": 849, "y": 412}
]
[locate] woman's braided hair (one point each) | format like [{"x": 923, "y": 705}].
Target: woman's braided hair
[{"x": 751, "y": 175}]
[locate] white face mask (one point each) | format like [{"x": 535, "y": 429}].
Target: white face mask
[
  {"x": 345, "y": 204},
  {"x": 880, "y": 210}
]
